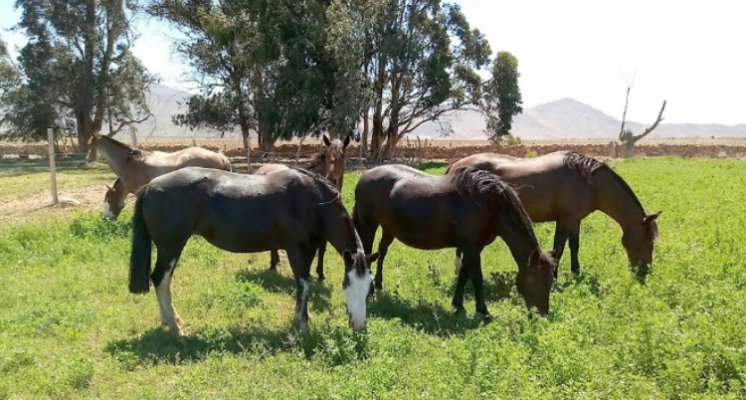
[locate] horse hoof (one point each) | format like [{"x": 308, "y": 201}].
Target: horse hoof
[
  {"x": 460, "y": 310},
  {"x": 486, "y": 316}
]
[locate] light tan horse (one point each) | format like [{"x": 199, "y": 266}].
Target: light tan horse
[
  {"x": 565, "y": 187},
  {"x": 330, "y": 163},
  {"x": 135, "y": 168}
]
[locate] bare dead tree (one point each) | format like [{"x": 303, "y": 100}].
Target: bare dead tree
[{"x": 626, "y": 137}]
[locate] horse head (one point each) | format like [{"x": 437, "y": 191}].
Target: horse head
[
  {"x": 638, "y": 241},
  {"x": 114, "y": 199},
  {"x": 334, "y": 159},
  {"x": 534, "y": 281},
  {"x": 356, "y": 286}
]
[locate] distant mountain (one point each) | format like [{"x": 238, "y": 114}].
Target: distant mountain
[
  {"x": 562, "y": 119},
  {"x": 571, "y": 119},
  {"x": 165, "y": 102}
]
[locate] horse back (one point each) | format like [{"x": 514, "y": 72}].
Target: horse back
[
  {"x": 547, "y": 187},
  {"x": 235, "y": 212}
]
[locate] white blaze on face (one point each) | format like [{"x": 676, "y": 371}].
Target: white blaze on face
[
  {"x": 107, "y": 210},
  {"x": 357, "y": 293}
]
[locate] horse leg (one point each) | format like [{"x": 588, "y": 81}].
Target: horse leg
[
  {"x": 161, "y": 277},
  {"x": 458, "y": 296},
  {"x": 458, "y": 262},
  {"x": 561, "y": 232},
  {"x": 383, "y": 247},
  {"x": 574, "y": 247},
  {"x": 320, "y": 264},
  {"x": 473, "y": 264},
  {"x": 300, "y": 258},
  {"x": 274, "y": 260}
]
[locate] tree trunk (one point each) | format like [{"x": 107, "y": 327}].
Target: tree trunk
[{"x": 364, "y": 138}]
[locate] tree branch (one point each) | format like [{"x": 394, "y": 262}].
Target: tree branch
[{"x": 652, "y": 127}]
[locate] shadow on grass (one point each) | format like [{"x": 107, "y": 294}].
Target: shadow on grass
[
  {"x": 430, "y": 318},
  {"x": 335, "y": 345},
  {"x": 319, "y": 294}
]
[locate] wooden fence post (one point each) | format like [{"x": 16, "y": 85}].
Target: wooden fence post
[
  {"x": 133, "y": 136},
  {"x": 52, "y": 166}
]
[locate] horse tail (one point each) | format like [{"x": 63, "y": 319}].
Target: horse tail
[
  {"x": 227, "y": 166},
  {"x": 141, "y": 248}
]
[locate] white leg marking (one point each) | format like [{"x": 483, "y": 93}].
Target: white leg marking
[
  {"x": 357, "y": 293},
  {"x": 107, "y": 210},
  {"x": 163, "y": 291}
]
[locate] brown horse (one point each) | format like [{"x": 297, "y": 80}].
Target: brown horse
[
  {"x": 294, "y": 210},
  {"x": 135, "y": 168},
  {"x": 466, "y": 210},
  {"x": 330, "y": 163},
  {"x": 565, "y": 187}
]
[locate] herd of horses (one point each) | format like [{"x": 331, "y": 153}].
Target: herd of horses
[{"x": 299, "y": 210}]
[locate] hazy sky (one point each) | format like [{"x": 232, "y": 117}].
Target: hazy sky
[{"x": 689, "y": 52}]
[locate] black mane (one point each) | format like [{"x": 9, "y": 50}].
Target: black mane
[
  {"x": 323, "y": 182},
  {"x": 587, "y": 167},
  {"x": 475, "y": 182}
]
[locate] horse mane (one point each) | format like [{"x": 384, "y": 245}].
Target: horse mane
[
  {"x": 321, "y": 181},
  {"x": 587, "y": 167},
  {"x": 475, "y": 182},
  {"x": 132, "y": 153},
  {"x": 316, "y": 161}
]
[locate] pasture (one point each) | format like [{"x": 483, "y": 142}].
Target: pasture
[{"x": 69, "y": 328}]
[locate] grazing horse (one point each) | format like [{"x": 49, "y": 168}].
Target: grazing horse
[
  {"x": 329, "y": 163},
  {"x": 135, "y": 168},
  {"x": 294, "y": 210},
  {"x": 466, "y": 210},
  {"x": 565, "y": 187}
]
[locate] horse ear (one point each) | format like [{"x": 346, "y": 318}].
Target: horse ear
[
  {"x": 650, "y": 218},
  {"x": 348, "y": 257},
  {"x": 347, "y": 141},
  {"x": 372, "y": 258},
  {"x": 327, "y": 141},
  {"x": 533, "y": 259},
  {"x": 109, "y": 188}
]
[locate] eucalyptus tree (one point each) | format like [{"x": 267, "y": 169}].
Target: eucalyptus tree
[{"x": 77, "y": 67}]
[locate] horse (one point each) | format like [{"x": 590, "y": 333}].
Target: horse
[
  {"x": 565, "y": 187},
  {"x": 330, "y": 163},
  {"x": 294, "y": 210},
  {"x": 135, "y": 167},
  {"x": 466, "y": 210}
]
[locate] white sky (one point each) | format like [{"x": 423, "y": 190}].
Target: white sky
[{"x": 692, "y": 53}]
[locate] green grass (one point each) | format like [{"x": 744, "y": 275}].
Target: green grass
[
  {"x": 70, "y": 329},
  {"x": 22, "y": 179}
]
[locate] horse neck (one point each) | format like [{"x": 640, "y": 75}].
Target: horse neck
[
  {"x": 617, "y": 200},
  {"x": 115, "y": 155},
  {"x": 339, "y": 230},
  {"x": 519, "y": 237}
]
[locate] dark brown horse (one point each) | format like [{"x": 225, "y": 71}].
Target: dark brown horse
[
  {"x": 294, "y": 210},
  {"x": 330, "y": 163},
  {"x": 565, "y": 187},
  {"x": 135, "y": 168},
  {"x": 466, "y": 210}
]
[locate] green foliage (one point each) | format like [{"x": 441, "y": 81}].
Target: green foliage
[
  {"x": 70, "y": 329},
  {"x": 77, "y": 69},
  {"x": 502, "y": 98},
  {"x": 422, "y": 59}
]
